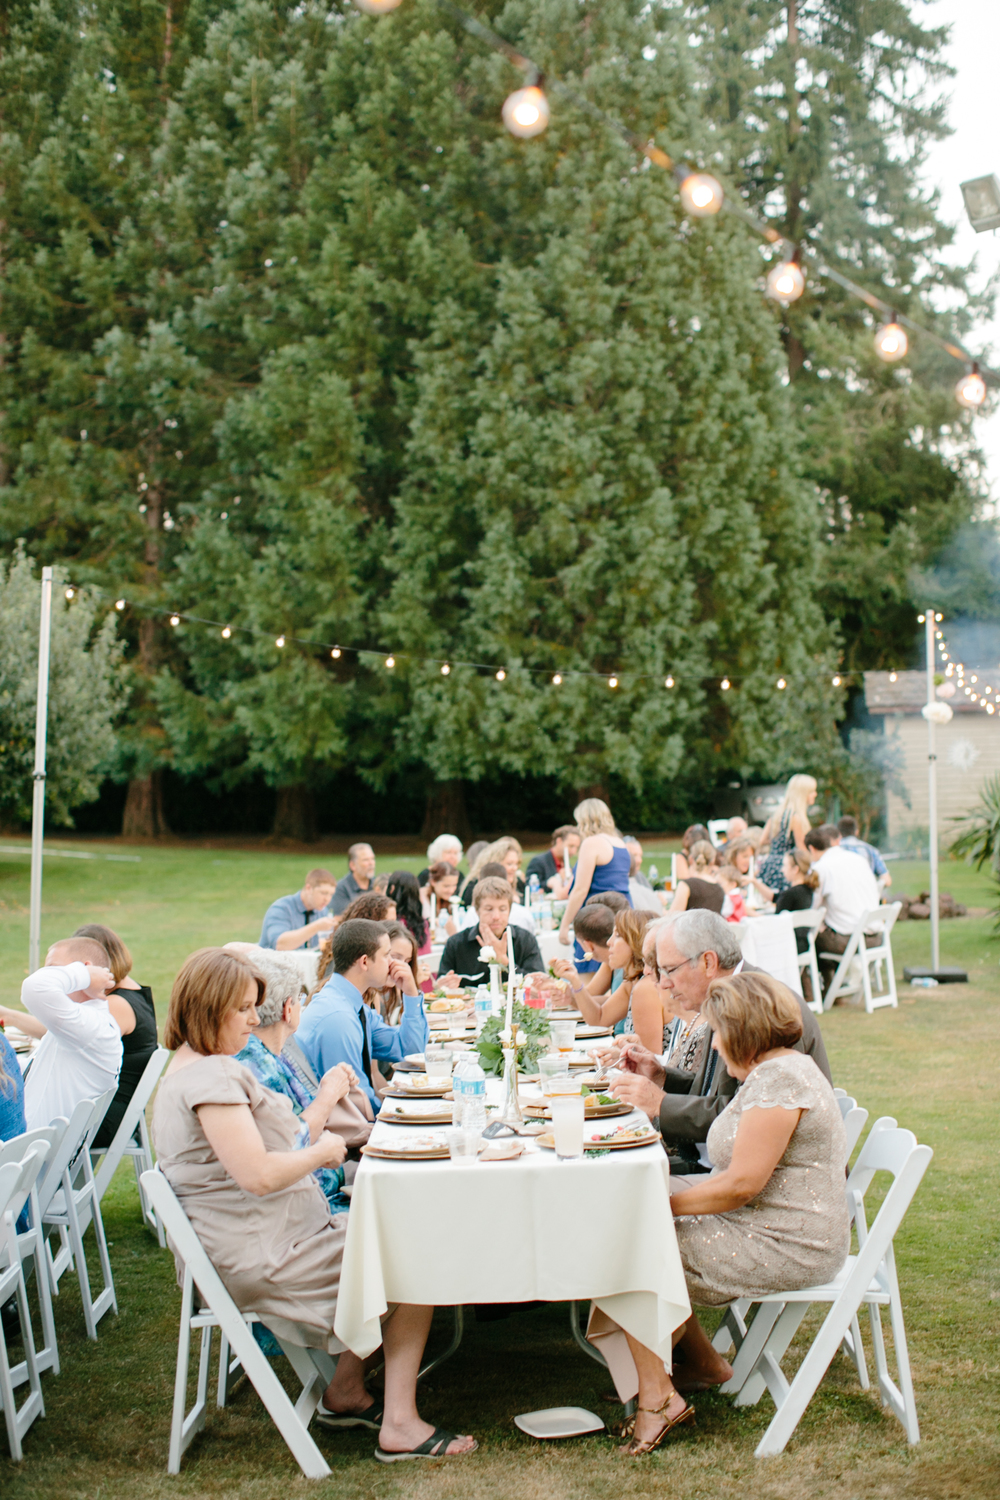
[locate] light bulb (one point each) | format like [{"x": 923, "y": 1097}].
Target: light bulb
[
  {"x": 119, "y": 604},
  {"x": 280, "y": 642},
  {"x": 940, "y": 636},
  {"x": 725, "y": 684},
  {"x": 701, "y": 195},
  {"x": 837, "y": 681},
  {"x": 335, "y": 652},
  {"x": 376, "y": 7},
  {"x": 921, "y": 619},
  {"x": 70, "y": 593},
  {"x": 612, "y": 682},
  {"x": 175, "y": 619},
  {"x": 226, "y": 632},
  {"x": 891, "y": 344},
  {"x": 892, "y": 676},
  {"x": 390, "y": 662},
  {"x": 786, "y": 283},
  {"x": 973, "y": 679},
  {"x": 990, "y": 708},
  {"x": 556, "y": 680},
  {"x": 782, "y": 683},
  {"x": 501, "y": 675},
  {"x": 939, "y": 617},
  {"x": 445, "y": 670},
  {"x": 971, "y": 389},
  {"x": 526, "y": 112},
  {"x": 974, "y": 697},
  {"x": 669, "y": 682}
]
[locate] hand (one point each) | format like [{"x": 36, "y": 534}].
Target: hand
[
  {"x": 449, "y": 981},
  {"x": 564, "y": 935},
  {"x": 563, "y": 969},
  {"x": 101, "y": 980},
  {"x": 324, "y": 924},
  {"x": 635, "y": 1058},
  {"x": 608, "y": 1056},
  {"x": 331, "y": 1149},
  {"x": 337, "y": 1083},
  {"x": 640, "y": 1092},
  {"x": 401, "y": 977}
]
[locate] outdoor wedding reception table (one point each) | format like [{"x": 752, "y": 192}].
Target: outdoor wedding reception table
[{"x": 535, "y": 1228}]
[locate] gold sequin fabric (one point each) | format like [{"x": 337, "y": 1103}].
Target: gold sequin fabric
[{"x": 796, "y": 1232}]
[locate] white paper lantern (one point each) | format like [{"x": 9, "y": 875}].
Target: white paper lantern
[{"x": 937, "y": 713}]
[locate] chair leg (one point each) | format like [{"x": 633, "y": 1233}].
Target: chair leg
[
  {"x": 855, "y": 1351},
  {"x": 733, "y": 1329},
  {"x": 18, "y": 1421},
  {"x": 749, "y": 1352},
  {"x": 807, "y": 1378},
  {"x": 30, "y": 1247},
  {"x": 183, "y": 1428}
]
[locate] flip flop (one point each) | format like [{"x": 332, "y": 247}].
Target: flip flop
[
  {"x": 427, "y": 1449},
  {"x": 370, "y": 1417}
]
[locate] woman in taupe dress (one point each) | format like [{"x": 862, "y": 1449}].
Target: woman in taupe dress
[
  {"x": 772, "y": 1215},
  {"x": 241, "y": 1164}
]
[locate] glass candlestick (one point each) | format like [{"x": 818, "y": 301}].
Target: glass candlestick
[{"x": 510, "y": 1111}]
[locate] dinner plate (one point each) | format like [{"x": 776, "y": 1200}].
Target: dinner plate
[
  {"x": 548, "y": 1140},
  {"x": 592, "y": 1112},
  {"x": 414, "y": 1150},
  {"x": 583, "y": 1033},
  {"x": 432, "y": 1112},
  {"x": 439, "y": 1091},
  {"x": 559, "y": 1422}
]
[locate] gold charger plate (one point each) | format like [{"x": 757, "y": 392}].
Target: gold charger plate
[
  {"x": 390, "y": 1117},
  {"x": 549, "y": 1142},
  {"x": 386, "y": 1153},
  {"x": 594, "y": 1112},
  {"x": 442, "y": 1092}
]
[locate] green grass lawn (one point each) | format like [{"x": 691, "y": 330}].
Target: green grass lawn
[{"x": 933, "y": 1064}]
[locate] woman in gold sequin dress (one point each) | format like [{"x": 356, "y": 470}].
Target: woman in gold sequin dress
[{"x": 772, "y": 1215}]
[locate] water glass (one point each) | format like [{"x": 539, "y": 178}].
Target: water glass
[
  {"x": 438, "y": 1061},
  {"x": 553, "y": 1077},
  {"x": 567, "y": 1125},
  {"x": 463, "y": 1145},
  {"x": 563, "y": 1034}
]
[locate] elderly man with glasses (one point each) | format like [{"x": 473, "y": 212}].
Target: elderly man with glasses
[{"x": 694, "y": 949}]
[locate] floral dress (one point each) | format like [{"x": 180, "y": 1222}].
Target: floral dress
[
  {"x": 280, "y": 1074},
  {"x": 783, "y": 843}
]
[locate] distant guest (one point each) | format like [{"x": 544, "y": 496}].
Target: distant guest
[
  {"x": 132, "y": 1006},
  {"x": 297, "y": 921},
  {"x": 359, "y": 877}
]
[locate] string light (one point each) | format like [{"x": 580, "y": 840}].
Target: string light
[
  {"x": 891, "y": 343},
  {"x": 280, "y": 642},
  {"x": 501, "y": 675},
  {"x": 701, "y": 194},
  {"x": 119, "y": 604},
  {"x": 556, "y": 680},
  {"x": 525, "y": 112},
  {"x": 612, "y": 682},
  {"x": 70, "y": 593},
  {"x": 785, "y": 282},
  {"x": 725, "y": 684},
  {"x": 782, "y": 683},
  {"x": 837, "y": 681},
  {"x": 335, "y": 653},
  {"x": 669, "y": 682},
  {"x": 175, "y": 619},
  {"x": 226, "y": 632},
  {"x": 376, "y": 7},
  {"x": 892, "y": 676},
  {"x": 390, "y": 662},
  {"x": 445, "y": 670},
  {"x": 939, "y": 617},
  {"x": 970, "y": 391},
  {"x": 990, "y": 708},
  {"x": 921, "y": 619}
]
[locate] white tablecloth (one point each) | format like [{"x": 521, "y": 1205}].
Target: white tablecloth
[
  {"x": 769, "y": 942},
  {"x": 518, "y": 1231}
]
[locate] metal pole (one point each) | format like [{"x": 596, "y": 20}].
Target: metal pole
[
  {"x": 932, "y": 815},
  {"x": 38, "y": 799}
]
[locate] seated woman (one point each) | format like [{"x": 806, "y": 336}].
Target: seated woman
[
  {"x": 697, "y": 833},
  {"x": 637, "y": 999},
  {"x": 741, "y": 854},
  {"x": 797, "y": 869},
  {"x": 699, "y": 889},
  {"x": 505, "y": 851},
  {"x": 11, "y": 1090},
  {"x": 772, "y": 1215},
  {"x": 278, "y": 1016},
  {"x": 460, "y": 961},
  {"x": 389, "y": 1002},
  {"x": 132, "y": 1006},
  {"x": 226, "y": 1145},
  {"x": 374, "y": 906},
  {"x": 440, "y": 904}
]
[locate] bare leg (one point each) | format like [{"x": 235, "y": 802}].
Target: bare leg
[
  {"x": 658, "y": 1400},
  {"x": 702, "y": 1362},
  {"x": 404, "y": 1335},
  {"x": 346, "y": 1391}
]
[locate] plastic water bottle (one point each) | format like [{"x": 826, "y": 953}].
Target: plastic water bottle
[
  {"x": 484, "y": 1007},
  {"x": 458, "y": 1088},
  {"x": 534, "y": 886},
  {"x": 654, "y": 874},
  {"x": 473, "y": 1096}
]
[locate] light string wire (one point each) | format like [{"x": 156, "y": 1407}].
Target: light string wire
[
  {"x": 731, "y": 203},
  {"x": 985, "y": 695}
]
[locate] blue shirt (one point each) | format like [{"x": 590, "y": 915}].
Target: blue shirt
[
  {"x": 11, "y": 1093},
  {"x": 867, "y": 851},
  {"x": 287, "y": 914},
  {"x": 330, "y": 1031}
]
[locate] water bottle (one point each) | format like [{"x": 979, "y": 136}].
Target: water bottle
[
  {"x": 458, "y": 1088},
  {"x": 534, "y": 886},
  {"x": 473, "y": 1096},
  {"x": 484, "y": 1007},
  {"x": 654, "y": 874},
  {"x": 442, "y": 927}
]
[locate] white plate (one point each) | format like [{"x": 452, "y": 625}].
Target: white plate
[{"x": 559, "y": 1422}]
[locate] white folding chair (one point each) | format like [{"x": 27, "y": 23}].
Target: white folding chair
[
  {"x": 30, "y": 1241},
  {"x": 867, "y": 1279},
  {"x": 811, "y": 920},
  {"x": 219, "y": 1310},
  {"x": 854, "y": 1118},
  {"x": 717, "y": 831},
  {"x": 881, "y": 919},
  {"x": 72, "y": 1209},
  {"x": 105, "y": 1159},
  {"x": 15, "y": 1179}
]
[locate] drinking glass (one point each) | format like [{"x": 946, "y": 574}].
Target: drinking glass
[
  {"x": 567, "y": 1125},
  {"x": 552, "y": 1073},
  {"x": 563, "y": 1034},
  {"x": 463, "y": 1145},
  {"x": 438, "y": 1061}
]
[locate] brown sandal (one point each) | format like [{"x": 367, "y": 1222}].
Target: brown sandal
[{"x": 639, "y": 1450}]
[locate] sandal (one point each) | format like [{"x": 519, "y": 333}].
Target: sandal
[
  {"x": 639, "y": 1450},
  {"x": 370, "y": 1417},
  {"x": 439, "y": 1439}
]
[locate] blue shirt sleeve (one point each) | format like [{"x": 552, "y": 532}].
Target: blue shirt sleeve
[
  {"x": 393, "y": 1042},
  {"x": 277, "y": 919}
]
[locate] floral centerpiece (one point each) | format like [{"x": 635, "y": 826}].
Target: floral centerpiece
[{"x": 531, "y": 1025}]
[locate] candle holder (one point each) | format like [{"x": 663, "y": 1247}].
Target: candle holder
[{"x": 510, "y": 1110}]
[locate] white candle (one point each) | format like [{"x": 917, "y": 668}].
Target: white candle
[
  {"x": 433, "y": 909},
  {"x": 510, "y": 990},
  {"x": 673, "y": 872}
]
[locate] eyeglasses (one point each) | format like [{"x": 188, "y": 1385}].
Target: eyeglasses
[{"x": 666, "y": 973}]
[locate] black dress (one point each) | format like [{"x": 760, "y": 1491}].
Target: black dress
[
  {"x": 137, "y": 1048},
  {"x": 796, "y": 898}
]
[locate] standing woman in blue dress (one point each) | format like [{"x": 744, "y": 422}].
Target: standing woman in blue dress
[
  {"x": 786, "y": 831},
  {"x": 603, "y": 864}
]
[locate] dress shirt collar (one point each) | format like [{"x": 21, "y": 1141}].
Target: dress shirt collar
[{"x": 342, "y": 989}]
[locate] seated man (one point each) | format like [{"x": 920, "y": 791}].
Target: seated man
[
  {"x": 847, "y": 888},
  {"x": 296, "y": 921},
  {"x": 847, "y": 827},
  {"x": 460, "y": 962},
  {"x": 692, "y": 951},
  {"x": 338, "y": 1027},
  {"x": 359, "y": 877},
  {"x": 80, "y": 1052},
  {"x": 551, "y": 866},
  {"x": 644, "y": 898}
]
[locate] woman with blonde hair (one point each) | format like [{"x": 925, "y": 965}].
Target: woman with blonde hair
[
  {"x": 700, "y": 889},
  {"x": 786, "y": 829},
  {"x": 505, "y": 851},
  {"x": 637, "y": 999},
  {"x": 603, "y": 864}
]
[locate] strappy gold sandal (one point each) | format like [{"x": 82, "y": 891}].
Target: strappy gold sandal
[{"x": 639, "y": 1450}]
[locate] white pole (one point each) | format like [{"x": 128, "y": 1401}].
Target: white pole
[
  {"x": 932, "y": 815},
  {"x": 38, "y": 799}
]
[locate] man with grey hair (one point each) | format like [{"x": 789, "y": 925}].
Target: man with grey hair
[
  {"x": 359, "y": 877},
  {"x": 694, "y": 949}
]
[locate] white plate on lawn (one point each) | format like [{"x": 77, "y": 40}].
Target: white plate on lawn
[{"x": 559, "y": 1422}]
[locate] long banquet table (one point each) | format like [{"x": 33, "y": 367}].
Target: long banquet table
[{"x": 596, "y": 1229}]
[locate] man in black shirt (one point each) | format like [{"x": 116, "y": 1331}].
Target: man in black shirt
[
  {"x": 552, "y": 867},
  {"x": 460, "y": 960}
]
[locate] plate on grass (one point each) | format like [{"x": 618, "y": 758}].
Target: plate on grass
[{"x": 559, "y": 1422}]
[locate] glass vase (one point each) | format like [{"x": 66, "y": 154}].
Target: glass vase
[{"x": 510, "y": 1111}]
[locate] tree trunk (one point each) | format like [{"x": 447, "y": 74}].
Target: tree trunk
[
  {"x": 144, "y": 817},
  {"x": 295, "y": 814},
  {"x": 593, "y": 789},
  {"x": 446, "y": 811}
]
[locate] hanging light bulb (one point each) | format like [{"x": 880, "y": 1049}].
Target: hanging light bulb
[
  {"x": 556, "y": 680},
  {"x": 175, "y": 619},
  {"x": 782, "y": 683},
  {"x": 921, "y": 619},
  {"x": 70, "y": 593},
  {"x": 501, "y": 675},
  {"x": 376, "y": 7},
  {"x": 725, "y": 684},
  {"x": 390, "y": 662},
  {"x": 226, "y": 632},
  {"x": 892, "y": 676},
  {"x": 891, "y": 344},
  {"x": 701, "y": 194},
  {"x": 785, "y": 282},
  {"x": 445, "y": 670},
  {"x": 612, "y": 682},
  {"x": 990, "y": 709},
  {"x": 971, "y": 389},
  {"x": 335, "y": 653},
  {"x": 280, "y": 642},
  {"x": 837, "y": 681},
  {"x": 939, "y": 617},
  {"x": 526, "y": 112},
  {"x": 119, "y": 604},
  {"x": 669, "y": 682}
]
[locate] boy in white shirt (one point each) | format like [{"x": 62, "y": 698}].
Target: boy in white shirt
[
  {"x": 80, "y": 1052},
  {"x": 847, "y": 887}
]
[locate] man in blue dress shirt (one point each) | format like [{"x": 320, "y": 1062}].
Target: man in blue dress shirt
[
  {"x": 298, "y": 920},
  {"x": 337, "y": 1026}
]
